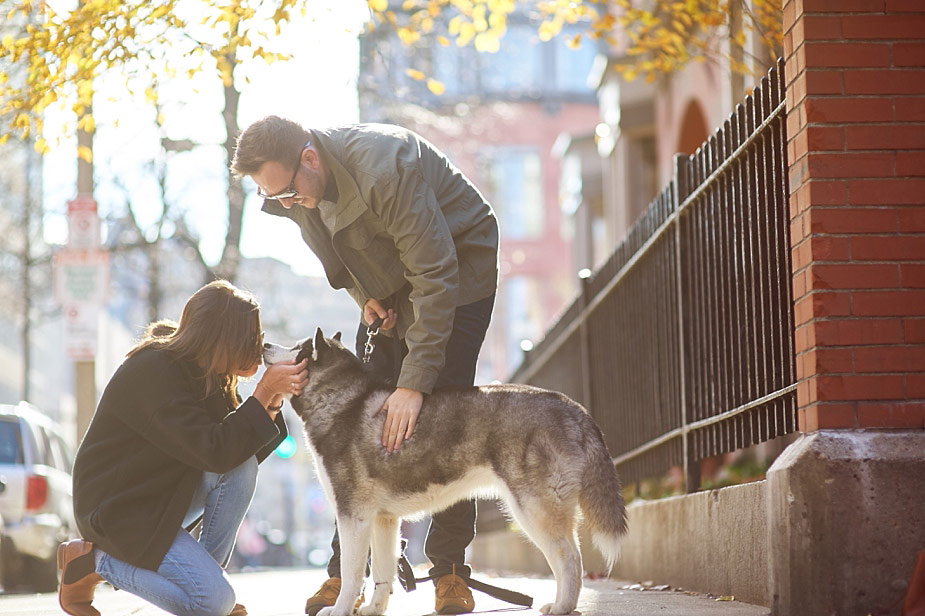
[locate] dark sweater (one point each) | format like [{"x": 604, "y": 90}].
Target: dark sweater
[{"x": 148, "y": 443}]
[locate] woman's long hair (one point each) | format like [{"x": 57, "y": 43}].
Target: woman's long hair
[{"x": 219, "y": 331}]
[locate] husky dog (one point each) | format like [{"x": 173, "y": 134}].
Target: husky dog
[{"x": 538, "y": 450}]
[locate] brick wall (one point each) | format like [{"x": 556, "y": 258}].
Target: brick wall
[{"x": 856, "y": 126}]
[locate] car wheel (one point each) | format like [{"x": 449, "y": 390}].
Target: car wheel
[{"x": 43, "y": 574}]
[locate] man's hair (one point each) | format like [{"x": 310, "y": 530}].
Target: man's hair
[{"x": 272, "y": 138}]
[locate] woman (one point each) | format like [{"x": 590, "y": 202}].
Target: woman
[{"x": 171, "y": 444}]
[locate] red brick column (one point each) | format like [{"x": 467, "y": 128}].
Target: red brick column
[{"x": 856, "y": 125}]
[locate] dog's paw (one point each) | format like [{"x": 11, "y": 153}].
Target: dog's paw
[
  {"x": 370, "y": 610},
  {"x": 332, "y": 611},
  {"x": 555, "y": 608}
]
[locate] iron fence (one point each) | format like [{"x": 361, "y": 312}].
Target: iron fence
[{"x": 681, "y": 344}]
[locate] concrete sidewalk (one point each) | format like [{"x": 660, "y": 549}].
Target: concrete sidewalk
[{"x": 282, "y": 592}]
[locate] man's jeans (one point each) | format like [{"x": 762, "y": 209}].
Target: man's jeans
[
  {"x": 453, "y": 529},
  {"x": 191, "y": 580}
]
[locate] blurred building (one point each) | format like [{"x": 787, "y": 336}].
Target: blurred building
[
  {"x": 497, "y": 120},
  {"x": 611, "y": 174}
]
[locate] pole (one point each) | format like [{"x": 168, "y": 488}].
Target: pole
[{"x": 84, "y": 369}]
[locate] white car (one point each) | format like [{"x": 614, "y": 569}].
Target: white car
[{"x": 35, "y": 497}]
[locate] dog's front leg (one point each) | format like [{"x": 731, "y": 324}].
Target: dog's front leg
[
  {"x": 385, "y": 559},
  {"x": 354, "y": 531}
]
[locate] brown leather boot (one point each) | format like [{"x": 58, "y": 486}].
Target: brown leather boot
[
  {"x": 453, "y": 595},
  {"x": 327, "y": 595},
  {"x": 238, "y": 610},
  {"x": 78, "y": 578}
]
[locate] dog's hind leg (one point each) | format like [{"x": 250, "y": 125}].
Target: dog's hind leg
[
  {"x": 552, "y": 527},
  {"x": 385, "y": 558},
  {"x": 354, "y": 532}
]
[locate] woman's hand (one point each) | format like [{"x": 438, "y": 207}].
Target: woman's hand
[{"x": 281, "y": 379}]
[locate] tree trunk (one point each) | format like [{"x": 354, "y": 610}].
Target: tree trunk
[{"x": 227, "y": 267}]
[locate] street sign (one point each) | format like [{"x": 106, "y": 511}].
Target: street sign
[
  {"x": 81, "y": 276},
  {"x": 83, "y": 224},
  {"x": 80, "y": 330}
]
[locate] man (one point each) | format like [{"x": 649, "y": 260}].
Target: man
[{"x": 413, "y": 242}]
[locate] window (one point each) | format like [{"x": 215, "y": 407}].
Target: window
[
  {"x": 62, "y": 453},
  {"x": 517, "y": 67},
  {"x": 573, "y": 65},
  {"x": 10, "y": 445},
  {"x": 512, "y": 179},
  {"x": 43, "y": 451},
  {"x": 523, "y": 66}
]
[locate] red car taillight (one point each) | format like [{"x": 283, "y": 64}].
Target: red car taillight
[{"x": 36, "y": 492}]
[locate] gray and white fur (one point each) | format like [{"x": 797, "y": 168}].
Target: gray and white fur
[{"x": 537, "y": 450}]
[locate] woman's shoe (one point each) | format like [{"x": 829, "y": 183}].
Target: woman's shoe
[{"x": 78, "y": 578}]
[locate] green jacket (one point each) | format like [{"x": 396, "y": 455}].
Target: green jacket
[{"x": 407, "y": 228}]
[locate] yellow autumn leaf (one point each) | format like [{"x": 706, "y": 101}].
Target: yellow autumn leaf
[
  {"x": 443, "y": 41},
  {"x": 85, "y": 153},
  {"x": 408, "y": 36},
  {"x": 41, "y": 146},
  {"x": 487, "y": 42},
  {"x": 436, "y": 87},
  {"x": 574, "y": 42},
  {"x": 414, "y": 74},
  {"x": 378, "y": 5},
  {"x": 86, "y": 123},
  {"x": 466, "y": 32},
  {"x": 549, "y": 29}
]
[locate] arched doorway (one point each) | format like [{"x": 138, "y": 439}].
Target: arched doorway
[{"x": 693, "y": 129}]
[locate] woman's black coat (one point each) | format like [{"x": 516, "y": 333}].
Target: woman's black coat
[{"x": 148, "y": 443}]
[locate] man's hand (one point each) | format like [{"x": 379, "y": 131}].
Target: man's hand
[
  {"x": 373, "y": 310},
  {"x": 402, "y": 409}
]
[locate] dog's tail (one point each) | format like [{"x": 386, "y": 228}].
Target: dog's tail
[{"x": 601, "y": 499}]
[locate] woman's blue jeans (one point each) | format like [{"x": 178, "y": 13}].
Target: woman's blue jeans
[{"x": 191, "y": 580}]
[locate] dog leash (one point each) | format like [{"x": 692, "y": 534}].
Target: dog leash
[
  {"x": 409, "y": 583},
  {"x": 372, "y": 330}
]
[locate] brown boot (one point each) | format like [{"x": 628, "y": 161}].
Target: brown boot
[
  {"x": 453, "y": 595},
  {"x": 238, "y": 610},
  {"x": 326, "y": 596},
  {"x": 78, "y": 578}
]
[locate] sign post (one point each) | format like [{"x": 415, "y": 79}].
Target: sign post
[{"x": 81, "y": 285}]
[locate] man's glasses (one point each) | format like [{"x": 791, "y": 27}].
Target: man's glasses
[{"x": 290, "y": 192}]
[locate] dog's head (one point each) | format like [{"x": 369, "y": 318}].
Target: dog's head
[
  {"x": 322, "y": 355},
  {"x": 274, "y": 353}
]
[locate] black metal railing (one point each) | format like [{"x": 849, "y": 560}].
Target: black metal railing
[{"x": 681, "y": 344}]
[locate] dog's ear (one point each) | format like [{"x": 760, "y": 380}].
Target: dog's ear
[
  {"x": 305, "y": 350},
  {"x": 320, "y": 343},
  {"x": 337, "y": 336}
]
